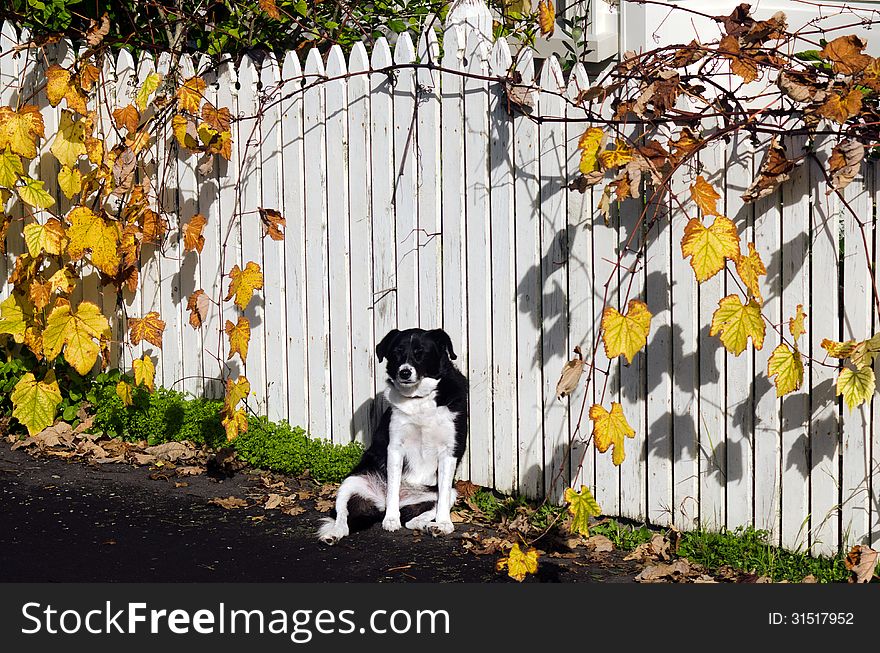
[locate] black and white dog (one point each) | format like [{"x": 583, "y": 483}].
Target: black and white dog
[{"x": 416, "y": 449}]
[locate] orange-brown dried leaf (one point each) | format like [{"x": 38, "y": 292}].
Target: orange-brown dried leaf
[
  {"x": 217, "y": 119},
  {"x": 774, "y": 170},
  {"x": 273, "y": 223},
  {"x": 840, "y": 107},
  {"x": 270, "y": 8},
  {"x": 127, "y": 117},
  {"x": 198, "y": 305},
  {"x": 98, "y": 30},
  {"x": 150, "y": 328},
  {"x": 705, "y": 196},
  {"x": 193, "y": 240},
  {"x": 845, "y": 54}
]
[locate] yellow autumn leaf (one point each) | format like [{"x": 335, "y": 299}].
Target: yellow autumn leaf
[
  {"x": 15, "y": 315},
  {"x": 865, "y": 351},
  {"x": 838, "y": 349},
  {"x": 705, "y": 196},
  {"x": 123, "y": 391},
  {"x": 546, "y": 17},
  {"x": 191, "y": 93},
  {"x": 618, "y": 155},
  {"x": 69, "y": 143},
  {"x": 57, "y": 83},
  {"x": 48, "y": 237},
  {"x": 708, "y": 247},
  {"x": 144, "y": 371},
  {"x": 519, "y": 563},
  {"x": 589, "y": 145},
  {"x": 239, "y": 337},
  {"x": 69, "y": 181},
  {"x": 90, "y": 231},
  {"x": 20, "y": 130},
  {"x": 736, "y": 323},
  {"x": 149, "y": 328},
  {"x": 626, "y": 334},
  {"x": 10, "y": 168},
  {"x": 610, "y": 429},
  {"x": 77, "y": 332},
  {"x": 796, "y": 323},
  {"x": 243, "y": 283},
  {"x": 32, "y": 192},
  {"x": 34, "y": 402},
  {"x": 235, "y": 423},
  {"x": 63, "y": 280},
  {"x": 856, "y": 386},
  {"x": 151, "y": 83},
  {"x": 749, "y": 268},
  {"x": 236, "y": 391},
  {"x": 788, "y": 367},
  {"x": 185, "y": 132},
  {"x": 581, "y": 506}
]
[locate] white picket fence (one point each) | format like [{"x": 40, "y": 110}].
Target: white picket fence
[{"x": 415, "y": 199}]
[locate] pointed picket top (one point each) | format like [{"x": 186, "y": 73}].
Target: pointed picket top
[
  {"x": 203, "y": 65},
  {"x": 453, "y": 48},
  {"x": 187, "y": 69},
  {"x": 429, "y": 46},
  {"x": 381, "y": 57},
  {"x": 473, "y": 15},
  {"x": 476, "y": 48},
  {"x": 8, "y": 37},
  {"x": 314, "y": 64},
  {"x": 270, "y": 76},
  {"x": 359, "y": 59},
  {"x": 578, "y": 80},
  {"x": 248, "y": 74},
  {"x": 525, "y": 65},
  {"x": 145, "y": 65},
  {"x": 163, "y": 66},
  {"x": 404, "y": 50},
  {"x": 291, "y": 69},
  {"x": 336, "y": 62},
  {"x": 552, "y": 78},
  {"x": 124, "y": 62},
  {"x": 500, "y": 58}
]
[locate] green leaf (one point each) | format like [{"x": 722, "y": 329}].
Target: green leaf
[
  {"x": 32, "y": 192},
  {"x": 582, "y": 506}
]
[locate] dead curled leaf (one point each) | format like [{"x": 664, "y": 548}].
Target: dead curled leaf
[
  {"x": 844, "y": 163},
  {"x": 172, "y": 451},
  {"x": 571, "y": 374},
  {"x": 861, "y": 561},
  {"x": 775, "y": 169},
  {"x": 599, "y": 544}
]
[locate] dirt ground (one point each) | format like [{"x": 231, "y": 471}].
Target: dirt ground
[{"x": 77, "y": 521}]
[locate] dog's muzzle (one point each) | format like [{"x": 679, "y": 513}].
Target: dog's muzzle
[{"x": 406, "y": 375}]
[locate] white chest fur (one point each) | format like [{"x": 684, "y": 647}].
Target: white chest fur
[{"x": 424, "y": 431}]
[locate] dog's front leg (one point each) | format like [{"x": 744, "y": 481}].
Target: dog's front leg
[
  {"x": 442, "y": 524},
  {"x": 392, "y": 497}
]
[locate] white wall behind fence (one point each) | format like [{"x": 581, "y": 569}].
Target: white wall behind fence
[{"x": 414, "y": 198}]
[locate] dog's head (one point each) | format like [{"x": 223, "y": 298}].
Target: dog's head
[{"x": 414, "y": 355}]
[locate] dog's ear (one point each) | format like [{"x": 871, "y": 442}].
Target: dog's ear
[
  {"x": 443, "y": 341},
  {"x": 383, "y": 347}
]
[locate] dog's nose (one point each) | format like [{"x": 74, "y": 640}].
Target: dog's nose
[{"x": 404, "y": 373}]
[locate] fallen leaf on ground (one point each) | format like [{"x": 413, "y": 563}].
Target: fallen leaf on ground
[
  {"x": 657, "y": 549},
  {"x": 293, "y": 510},
  {"x": 172, "y": 451},
  {"x": 466, "y": 489},
  {"x": 600, "y": 544},
  {"x": 674, "y": 572},
  {"x": 323, "y": 505},
  {"x": 229, "y": 502}
]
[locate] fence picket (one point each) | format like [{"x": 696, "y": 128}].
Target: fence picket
[
  {"x": 580, "y": 282},
  {"x": 529, "y": 389},
  {"x": 361, "y": 238},
  {"x": 820, "y": 379},
  {"x": 339, "y": 257},
  {"x": 503, "y": 280},
  {"x": 856, "y": 309},
  {"x": 795, "y": 407},
  {"x": 274, "y": 263}
]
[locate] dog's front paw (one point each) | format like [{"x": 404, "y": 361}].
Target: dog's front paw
[
  {"x": 391, "y": 523},
  {"x": 437, "y": 528}
]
